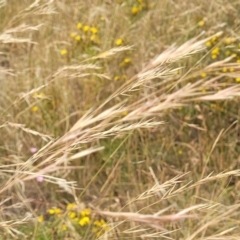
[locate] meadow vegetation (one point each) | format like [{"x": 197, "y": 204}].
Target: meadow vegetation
[{"x": 119, "y": 119}]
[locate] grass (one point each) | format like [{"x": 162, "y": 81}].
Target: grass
[{"x": 119, "y": 119}]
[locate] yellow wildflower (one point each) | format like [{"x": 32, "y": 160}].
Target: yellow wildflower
[
  {"x": 63, "y": 52},
  {"x": 237, "y": 79},
  {"x": 127, "y": 60},
  {"x": 203, "y": 75},
  {"x": 40, "y": 218},
  {"x": 35, "y": 109},
  {"x": 125, "y": 113},
  {"x": 238, "y": 61},
  {"x": 135, "y": 10},
  {"x": 214, "y": 38},
  {"x": 224, "y": 69},
  {"x": 53, "y": 211},
  {"x": 39, "y": 95},
  {"x": 86, "y": 28},
  {"x": 71, "y": 206},
  {"x": 119, "y": 42},
  {"x": 229, "y": 40},
  {"x": 95, "y": 39},
  {"x": 73, "y": 35},
  {"x": 58, "y": 211},
  {"x": 214, "y": 56},
  {"x": 231, "y": 69},
  {"x": 227, "y": 53},
  {"x": 94, "y": 30},
  {"x": 100, "y": 226},
  {"x": 208, "y": 44},
  {"x": 86, "y": 212},
  {"x": 124, "y": 77},
  {"x": 180, "y": 152},
  {"x": 215, "y": 51},
  {"x": 116, "y": 78},
  {"x": 78, "y": 38},
  {"x": 84, "y": 221},
  {"x": 201, "y": 23},
  {"x": 64, "y": 227},
  {"x": 213, "y": 105},
  {"x": 72, "y": 215},
  {"x": 79, "y": 25}
]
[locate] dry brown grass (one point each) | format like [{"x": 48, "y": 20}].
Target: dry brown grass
[{"x": 155, "y": 153}]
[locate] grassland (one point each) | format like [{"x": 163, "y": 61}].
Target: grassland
[{"x": 119, "y": 119}]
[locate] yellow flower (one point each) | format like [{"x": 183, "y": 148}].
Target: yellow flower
[
  {"x": 86, "y": 212},
  {"x": 35, "y": 109},
  {"x": 53, "y": 211},
  {"x": 124, "y": 77},
  {"x": 64, "y": 227},
  {"x": 99, "y": 223},
  {"x": 40, "y": 218},
  {"x": 180, "y": 152},
  {"x": 86, "y": 28},
  {"x": 63, "y": 52},
  {"x": 58, "y": 211},
  {"x": 116, "y": 78},
  {"x": 224, "y": 69},
  {"x": 135, "y": 10},
  {"x": 84, "y": 221},
  {"x": 78, "y": 38},
  {"x": 229, "y": 40},
  {"x": 213, "y": 105},
  {"x": 119, "y": 42},
  {"x": 95, "y": 39},
  {"x": 39, "y": 95},
  {"x": 238, "y": 61},
  {"x": 214, "y": 38},
  {"x": 208, "y": 44},
  {"x": 127, "y": 60},
  {"x": 227, "y": 53},
  {"x": 125, "y": 113},
  {"x": 214, "y": 56},
  {"x": 73, "y": 35},
  {"x": 237, "y": 79},
  {"x": 201, "y": 23},
  {"x": 94, "y": 30},
  {"x": 79, "y": 25},
  {"x": 215, "y": 51},
  {"x": 71, "y": 206},
  {"x": 100, "y": 227},
  {"x": 72, "y": 215},
  {"x": 231, "y": 69},
  {"x": 203, "y": 75}
]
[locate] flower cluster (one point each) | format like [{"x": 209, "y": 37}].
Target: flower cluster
[
  {"x": 139, "y": 6},
  {"x": 79, "y": 219},
  {"x": 220, "y": 48},
  {"x": 84, "y": 35}
]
